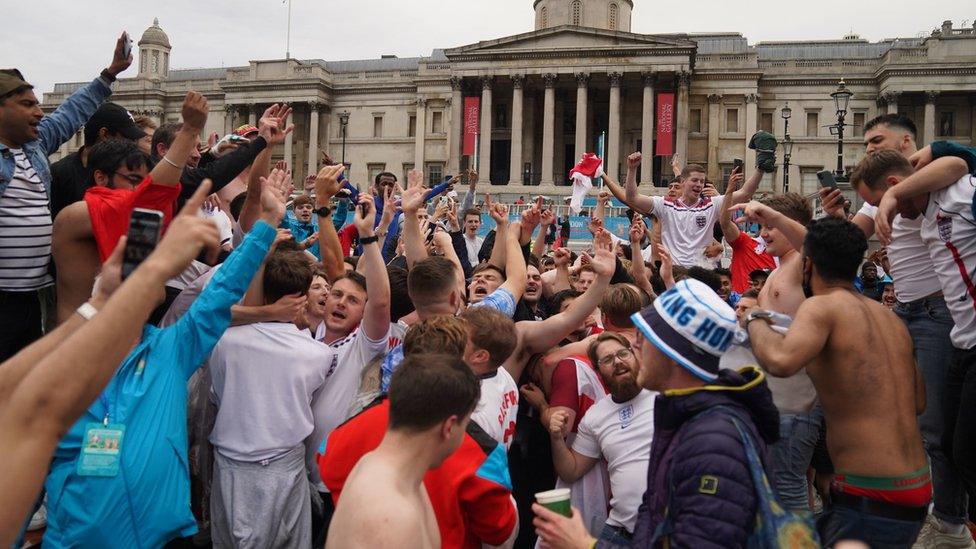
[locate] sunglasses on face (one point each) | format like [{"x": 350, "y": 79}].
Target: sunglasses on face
[{"x": 133, "y": 178}]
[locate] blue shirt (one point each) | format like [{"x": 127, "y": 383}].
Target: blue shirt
[
  {"x": 148, "y": 502},
  {"x": 301, "y": 232}
]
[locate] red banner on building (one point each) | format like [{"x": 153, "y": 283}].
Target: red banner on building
[
  {"x": 665, "y": 124},
  {"x": 472, "y": 124}
]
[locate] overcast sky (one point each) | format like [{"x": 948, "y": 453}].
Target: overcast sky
[{"x": 71, "y": 40}]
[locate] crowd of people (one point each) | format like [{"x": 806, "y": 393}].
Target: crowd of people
[{"x": 366, "y": 370}]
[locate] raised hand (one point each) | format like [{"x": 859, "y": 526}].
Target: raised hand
[
  {"x": 667, "y": 265},
  {"x": 194, "y": 111},
  {"x": 603, "y": 197},
  {"x": 637, "y": 231},
  {"x": 326, "y": 159},
  {"x": 472, "y": 178},
  {"x": 389, "y": 208},
  {"x": 281, "y": 165},
  {"x": 440, "y": 210},
  {"x": 755, "y": 212},
  {"x": 413, "y": 196},
  {"x": 186, "y": 237},
  {"x": 546, "y": 217},
  {"x": 833, "y": 202},
  {"x": 676, "y": 165},
  {"x": 327, "y": 183},
  {"x": 275, "y": 191},
  {"x": 604, "y": 261},
  {"x": 735, "y": 181},
  {"x": 531, "y": 216},
  {"x": 561, "y": 257},
  {"x": 365, "y": 215},
  {"x": 273, "y": 125},
  {"x": 634, "y": 160},
  {"x": 119, "y": 61},
  {"x": 498, "y": 212},
  {"x": 595, "y": 225}
]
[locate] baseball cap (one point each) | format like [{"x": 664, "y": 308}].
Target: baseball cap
[
  {"x": 10, "y": 80},
  {"x": 115, "y": 119},
  {"x": 690, "y": 324},
  {"x": 245, "y": 130}
]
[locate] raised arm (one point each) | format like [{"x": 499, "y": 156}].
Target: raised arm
[
  {"x": 745, "y": 193},
  {"x": 637, "y": 201},
  {"x": 326, "y": 185},
  {"x": 764, "y": 215},
  {"x": 376, "y": 317},
  {"x": 783, "y": 355},
  {"x": 411, "y": 201},
  {"x": 469, "y": 195},
  {"x": 168, "y": 170},
  {"x": 60, "y": 385},
  {"x": 729, "y": 228},
  {"x": 508, "y": 239},
  {"x": 273, "y": 128},
  {"x": 546, "y": 219},
  {"x": 637, "y": 268}
]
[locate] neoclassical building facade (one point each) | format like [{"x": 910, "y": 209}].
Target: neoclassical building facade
[{"x": 548, "y": 95}]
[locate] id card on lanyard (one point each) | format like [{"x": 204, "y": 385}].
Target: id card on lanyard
[{"x": 101, "y": 451}]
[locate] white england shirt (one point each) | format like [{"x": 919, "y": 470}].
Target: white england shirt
[
  {"x": 498, "y": 407},
  {"x": 686, "y": 230},
  {"x": 621, "y": 433},
  {"x": 949, "y": 231},
  {"x": 909, "y": 257}
]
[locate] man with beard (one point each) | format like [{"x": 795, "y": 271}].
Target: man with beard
[
  {"x": 700, "y": 491},
  {"x": 618, "y": 429},
  {"x": 860, "y": 360},
  {"x": 870, "y": 280}
]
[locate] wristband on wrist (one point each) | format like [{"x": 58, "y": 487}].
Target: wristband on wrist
[
  {"x": 368, "y": 240},
  {"x": 87, "y": 310},
  {"x": 107, "y": 75},
  {"x": 324, "y": 211},
  {"x": 171, "y": 163}
]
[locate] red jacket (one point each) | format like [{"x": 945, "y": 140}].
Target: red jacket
[{"x": 471, "y": 492}]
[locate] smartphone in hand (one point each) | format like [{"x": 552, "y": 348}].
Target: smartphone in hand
[
  {"x": 737, "y": 165},
  {"x": 826, "y": 179},
  {"x": 145, "y": 229}
]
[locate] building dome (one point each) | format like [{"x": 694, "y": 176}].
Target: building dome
[
  {"x": 601, "y": 14},
  {"x": 154, "y": 36}
]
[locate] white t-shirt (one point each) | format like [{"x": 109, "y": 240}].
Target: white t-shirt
[
  {"x": 343, "y": 374},
  {"x": 621, "y": 433},
  {"x": 949, "y": 231},
  {"x": 911, "y": 268},
  {"x": 498, "y": 407},
  {"x": 223, "y": 224},
  {"x": 686, "y": 230},
  {"x": 266, "y": 378},
  {"x": 473, "y": 244}
]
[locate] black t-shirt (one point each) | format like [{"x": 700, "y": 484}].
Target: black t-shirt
[{"x": 69, "y": 181}]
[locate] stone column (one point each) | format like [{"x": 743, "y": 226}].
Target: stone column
[
  {"x": 647, "y": 131},
  {"x": 929, "y": 133},
  {"x": 681, "y": 125},
  {"x": 515, "y": 166},
  {"x": 582, "y": 83},
  {"x": 972, "y": 120},
  {"x": 289, "y": 142},
  {"x": 228, "y": 119},
  {"x": 891, "y": 98},
  {"x": 313, "y": 138},
  {"x": 714, "y": 107},
  {"x": 613, "y": 128},
  {"x": 456, "y": 127},
  {"x": 420, "y": 141},
  {"x": 252, "y": 117},
  {"x": 548, "y": 129},
  {"x": 752, "y": 116},
  {"x": 484, "y": 156}
]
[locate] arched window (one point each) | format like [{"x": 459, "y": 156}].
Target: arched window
[
  {"x": 612, "y": 19},
  {"x": 545, "y": 17},
  {"x": 577, "y": 13}
]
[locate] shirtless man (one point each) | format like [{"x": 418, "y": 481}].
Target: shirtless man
[
  {"x": 783, "y": 220},
  {"x": 859, "y": 357},
  {"x": 384, "y": 503}
]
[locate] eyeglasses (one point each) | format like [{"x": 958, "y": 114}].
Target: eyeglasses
[
  {"x": 133, "y": 178},
  {"x": 620, "y": 355}
]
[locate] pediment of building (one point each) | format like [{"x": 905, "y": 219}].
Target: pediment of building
[{"x": 571, "y": 38}]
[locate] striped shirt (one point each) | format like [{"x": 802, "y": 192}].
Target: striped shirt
[{"x": 25, "y": 230}]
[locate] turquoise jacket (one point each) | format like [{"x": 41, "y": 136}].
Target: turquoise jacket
[{"x": 148, "y": 502}]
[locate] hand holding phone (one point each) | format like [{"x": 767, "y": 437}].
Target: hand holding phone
[
  {"x": 145, "y": 228},
  {"x": 126, "y": 45},
  {"x": 826, "y": 178},
  {"x": 737, "y": 165}
]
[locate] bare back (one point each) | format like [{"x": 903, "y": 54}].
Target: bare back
[
  {"x": 378, "y": 509},
  {"x": 76, "y": 258},
  {"x": 866, "y": 379}
]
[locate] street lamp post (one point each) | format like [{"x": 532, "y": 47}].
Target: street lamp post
[
  {"x": 343, "y": 122},
  {"x": 786, "y": 113},
  {"x": 841, "y": 99}
]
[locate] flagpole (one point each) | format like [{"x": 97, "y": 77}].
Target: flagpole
[{"x": 288, "y": 34}]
